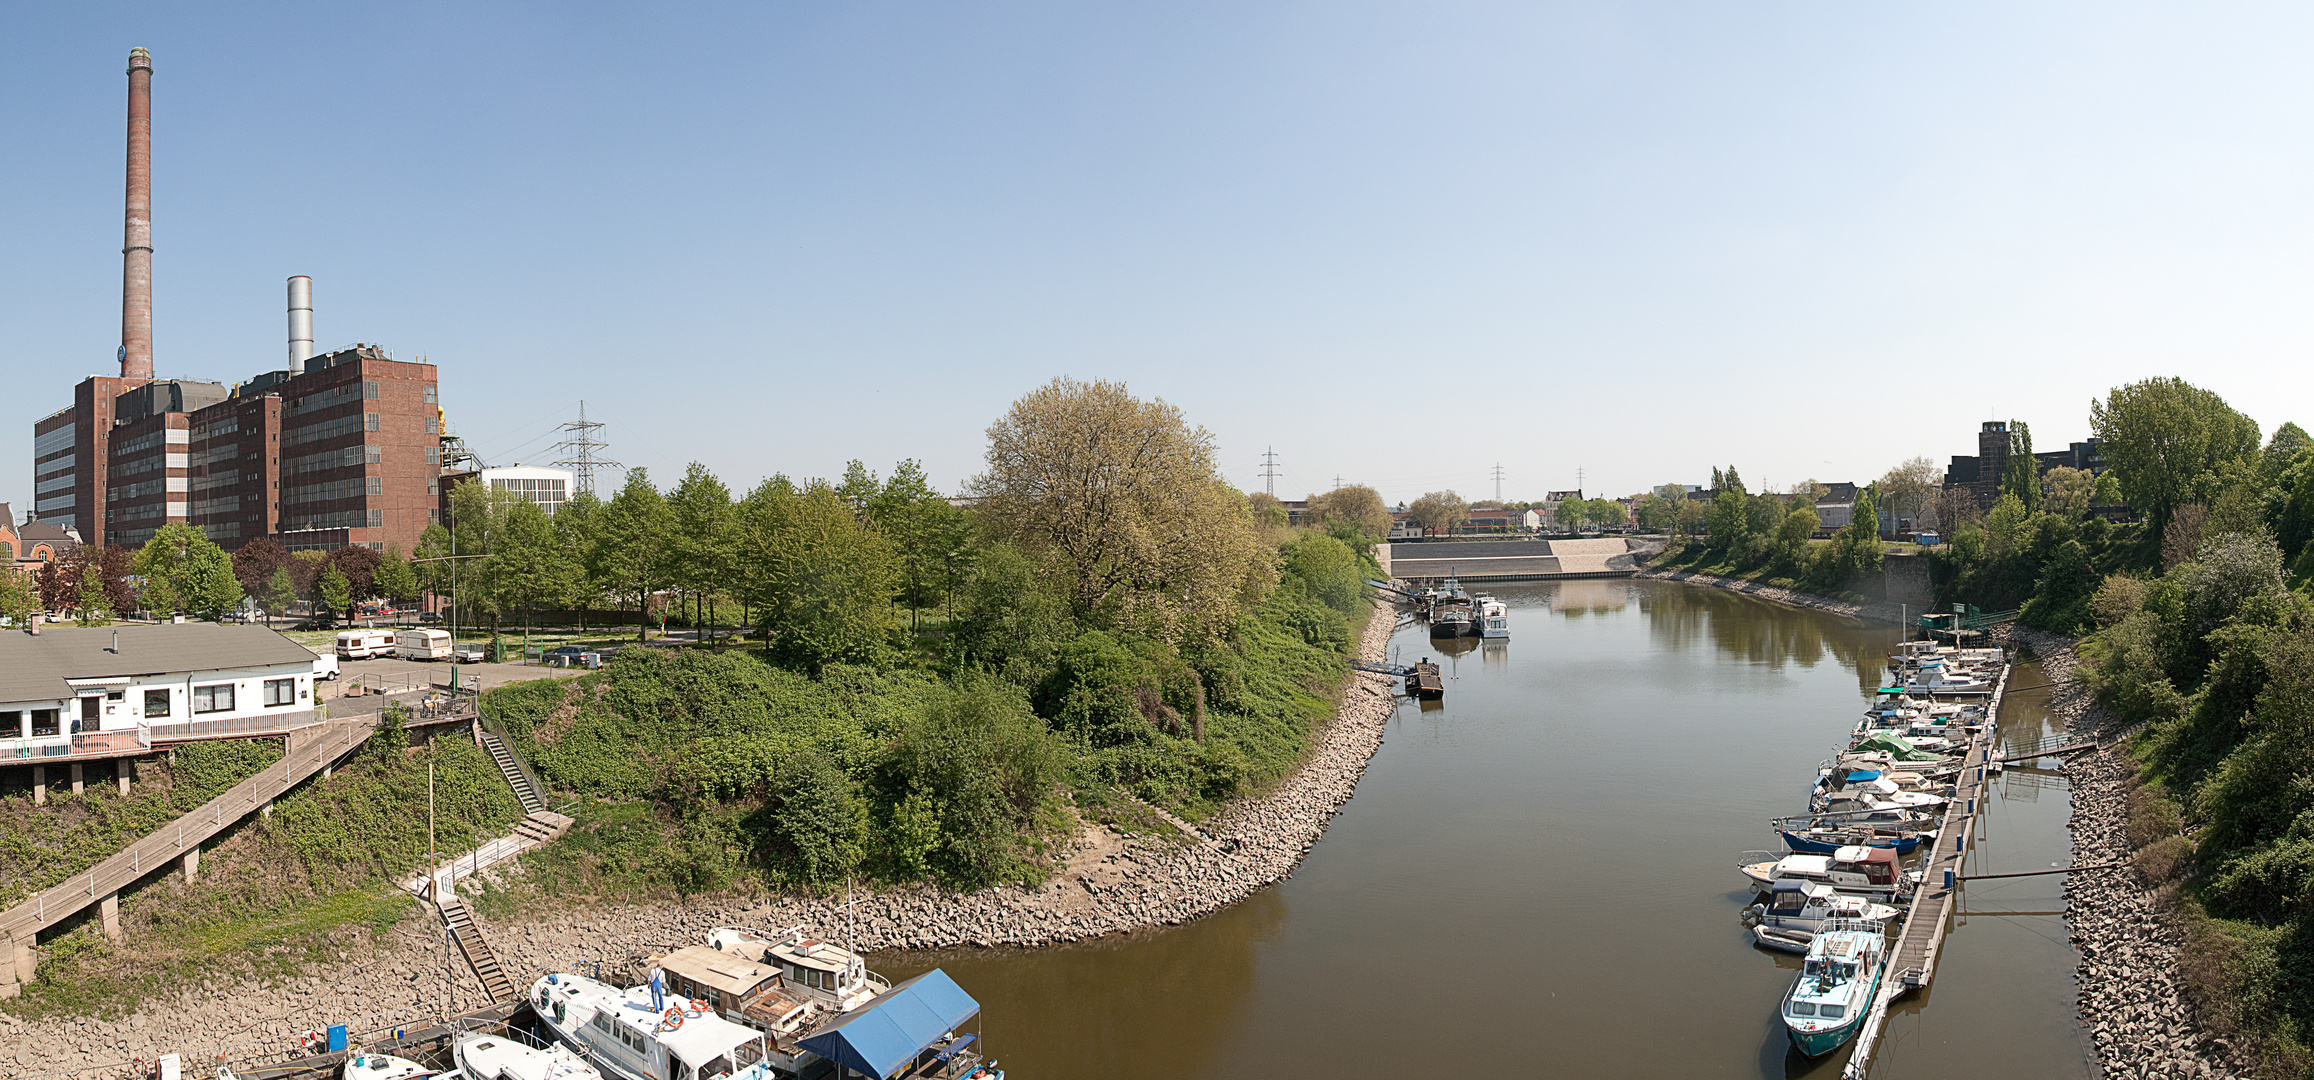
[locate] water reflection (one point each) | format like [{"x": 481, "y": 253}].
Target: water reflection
[{"x": 1680, "y": 619}]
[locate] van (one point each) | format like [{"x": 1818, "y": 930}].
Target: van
[
  {"x": 324, "y": 666},
  {"x": 424, "y": 644},
  {"x": 363, "y": 644}
]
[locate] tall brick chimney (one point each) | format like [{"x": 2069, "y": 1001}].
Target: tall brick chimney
[{"x": 137, "y": 245}]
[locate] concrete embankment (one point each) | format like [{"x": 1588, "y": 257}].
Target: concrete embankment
[
  {"x": 1874, "y": 612},
  {"x": 2132, "y": 1002},
  {"x": 1112, "y": 884}
]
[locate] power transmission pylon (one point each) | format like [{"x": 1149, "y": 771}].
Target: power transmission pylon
[
  {"x": 1269, "y": 471},
  {"x": 579, "y": 450}
]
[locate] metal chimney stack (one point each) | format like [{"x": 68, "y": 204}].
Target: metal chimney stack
[
  {"x": 300, "y": 323},
  {"x": 137, "y": 245}
]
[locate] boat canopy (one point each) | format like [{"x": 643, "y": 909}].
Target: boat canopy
[
  {"x": 1894, "y": 746},
  {"x": 884, "y": 1036}
]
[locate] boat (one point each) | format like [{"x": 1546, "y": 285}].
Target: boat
[
  {"x": 821, "y": 971},
  {"x": 1834, "y": 990},
  {"x": 371, "y": 1065},
  {"x": 1932, "y": 677},
  {"x": 1494, "y": 619},
  {"x": 1425, "y": 683},
  {"x": 1869, "y": 871},
  {"x": 503, "y": 1057},
  {"x": 1453, "y": 613},
  {"x": 1782, "y": 939},
  {"x": 1868, "y": 790},
  {"x": 1808, "y": 905},
  {"x": 1825, "y": 841},
  {"x": 625, "y": 1036}
]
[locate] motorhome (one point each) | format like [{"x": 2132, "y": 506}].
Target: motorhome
[
  {"x": 364, "y": 644},
  {"x": 424, "y": 644}
]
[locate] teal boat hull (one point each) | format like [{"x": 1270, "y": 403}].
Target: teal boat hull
[{"x": 1825, "y": 1040}]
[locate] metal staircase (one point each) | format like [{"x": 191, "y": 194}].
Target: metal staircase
[
  {"x": 517, "y": 775},
  {"x": 460, "y": 923}
]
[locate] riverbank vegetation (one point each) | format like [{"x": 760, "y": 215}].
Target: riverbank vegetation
[{"x": 929, "y": 692}]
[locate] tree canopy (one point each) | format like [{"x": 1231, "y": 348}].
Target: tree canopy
[{"x": 2165, "y": 441}]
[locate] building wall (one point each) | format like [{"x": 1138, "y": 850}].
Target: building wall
[
  {"x": 166, "y": 702},
  {"x": 361, "y": 447},
  {"x": 236, "y": 469},
  {"x": 146, "y": 477}
]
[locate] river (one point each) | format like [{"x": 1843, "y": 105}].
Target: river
[{"x": 1537, "y": 878}]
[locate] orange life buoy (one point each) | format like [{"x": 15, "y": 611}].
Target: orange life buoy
[
  {"x": 673, "y": 1017},
  {"x": 698, "y": 1007}
]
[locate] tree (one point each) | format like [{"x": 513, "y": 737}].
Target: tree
[
  {"x": 2164, "y": 440},
  {"x": 62, "y": 582},
  {"x": 183, "y": 571},
  {"x": 2070, "y": 491},
  {"x": 1352, "y": 510},
  {"x": 813, "y": 819},
  {"x": 1439, "y": 511},
  {"x": 633, "y": 542},
  {"x": 527, "y": 569},
  {"x": 819, "y": 580},
  {"x": 19, "y": 596},
  {"x": 395, "y": 579},
  {"x": 1570, "y": 514},
  {"x": 923, "y": 529},
  {"x": 1120, "y": 500},
  {"x": 2282, "y": 452},
  {"x": 333, "y": 590},
  {"x": 2021, "y": 477},
  {"x": 1729, "y": 517},
  {"x": 1607, "y": 512},
  {"x": 1909, "y": 490},
  {"x": 359, "y": 566},
  {"x": 94, "y": 607},
  {"x": 704, "y": 545},
  {"x": 1793, "y": 533},
  {"x": 277, "y": 593},
  {"x": 255, "y": 561},
  {"x": 577, "y": 523}
]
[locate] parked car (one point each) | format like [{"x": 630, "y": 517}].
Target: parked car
[
  {"x": 572, "y": 656},
  {"x": 325, "y": 666},
  {"x": 429, "y": 616}
]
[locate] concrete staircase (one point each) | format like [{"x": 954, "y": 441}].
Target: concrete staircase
[{"x": 487, "y": 970}]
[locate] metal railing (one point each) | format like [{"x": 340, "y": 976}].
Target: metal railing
[{"x": 497, "y": 729}]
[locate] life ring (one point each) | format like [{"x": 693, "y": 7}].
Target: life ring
[
  {"x": 698, "y": 1007},
  {"x": 673, "y": 1017}
]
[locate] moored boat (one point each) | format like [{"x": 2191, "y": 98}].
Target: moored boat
[
  {"x": 629, "y": 1036},
  {"x": 1494, "y": 619},
  {"x": 1833, "y": 993},
  {"x": 505, "y": 1057},
  {"x": 1808, "y": 905},
  {"x": 370, "y": 1065},
  {"x": 1865, "y": 871}
]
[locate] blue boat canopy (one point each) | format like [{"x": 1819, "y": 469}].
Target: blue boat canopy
[
  {"x": 1862, "y": 775},
  {"x": 884, "y": 1036}
]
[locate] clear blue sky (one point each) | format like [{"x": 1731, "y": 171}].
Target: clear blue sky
[{"x": 1400, "y": 243}]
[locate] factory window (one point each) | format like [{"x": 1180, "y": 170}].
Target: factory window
[
  {"x": 208, "y": 699},
  {"x": 280, "y": 692},
  {"x": 370, "y": 390},
  {"x": 377, "y": 519},
  {"x": 373, "y": 486},
  {"x": 156, "y": 704},
  {"x": 433, "y": 455},
  {"x": 369, "y": 421},
  {"x": 433, "y": 396},
  {"x": 433, "y": 513},
  {"x": 433, "y": 487},
  {"x": 433, "y": 425}
]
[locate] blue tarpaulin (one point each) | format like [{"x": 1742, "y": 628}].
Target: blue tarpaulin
[{"x": 883, "y": 1036}]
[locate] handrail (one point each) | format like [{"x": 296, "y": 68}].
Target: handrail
[{"x": 497, "y": 728}]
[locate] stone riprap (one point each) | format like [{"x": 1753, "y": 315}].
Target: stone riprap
[
  {"x": 2132, "y": 1002},
  {"x": 1112, "y": 884}
]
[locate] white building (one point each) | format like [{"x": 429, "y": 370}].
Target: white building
[
  {"x": 547, "y": 486},
  {"x": 73, "y": 694}
]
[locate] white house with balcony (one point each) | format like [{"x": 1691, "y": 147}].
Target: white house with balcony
[{"x": 71, "y": 694}]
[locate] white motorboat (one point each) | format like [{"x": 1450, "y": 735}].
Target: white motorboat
[
  {"x": 506, "y": 1057},
  {"x": 1808, "y": 905},
  {"x": 1866, "y": 871},
  {"x": 818, "y": 970},
  {"x": 628, "y": 1036},
  {"x": 1833, "y": 992},
  {"x": 1494, "y": 619}
]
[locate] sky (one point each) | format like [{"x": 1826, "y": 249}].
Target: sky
[{"x": 1399, "y": 245}]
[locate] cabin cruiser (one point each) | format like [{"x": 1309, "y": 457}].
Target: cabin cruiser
[
  {"x": 1834, "y": 990},
  {"x": 1932, "y": 677},
  {"x": 821, "y": 971},
  {"x": 1811, "y": 837},
  {"x": 1494, "y": 619},
  {"x": 1868, "y": 790},
  {"x": 1807, "y": 905},
  {"x": 1866, "y": 871},
  {"x": 629, "y": 1036},
  {"x": 499, "y": 1057}
]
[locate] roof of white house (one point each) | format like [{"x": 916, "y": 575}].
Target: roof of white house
[{"x": 34, "y": 667}]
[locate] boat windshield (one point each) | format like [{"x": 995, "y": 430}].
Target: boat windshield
[{"x": 1830, "y": 1011}]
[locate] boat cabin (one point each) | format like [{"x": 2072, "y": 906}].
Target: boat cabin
[
  {"x": 1874, "y": 867},
  {"x": 810, "y": 968},
  {"x": 621, "y": 1032},
  {"x": 747, "y": 991}
]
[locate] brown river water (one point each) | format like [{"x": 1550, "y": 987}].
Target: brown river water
[{"x": 1537, "y": 878}]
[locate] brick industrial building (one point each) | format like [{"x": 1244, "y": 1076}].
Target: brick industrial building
[{"x": 340, "y": 448}]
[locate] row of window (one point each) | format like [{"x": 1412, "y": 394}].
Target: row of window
[
  {"x": 348, "y": 519},
  {"x": 336, "y": 395},
  {"x": 337, "y": 489},
  {"x": 144, "y": 465},
  {"x": 228, "y": 478},
  {"x": 225, "y": 425},
  {"x": 330, "y": 429},
  {"x": 343, "y": 457},
  {"x": 149, "y": 510},
  {"x": 224, "y": 504}
]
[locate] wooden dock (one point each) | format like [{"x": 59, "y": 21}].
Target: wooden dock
[{"x": 1913, "y": 965}]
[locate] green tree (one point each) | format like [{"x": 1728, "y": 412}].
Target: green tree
[
  {"x": 813, "y": 819},
  {"x": 576, "y": 525},
  {"x": 922, "y": 528},
  {"x": 632, "y": 544},
  {"x": 332, "y": 589},
  {"x": 183, "y": 571},
  {"x": 1793, "y": 533},
  {"x": 1728, "y": 518},
  {"x": 396, "y": 579},
  {"x": 1439, "y": 511},
  {"x": 527, "y": 569},
  {"x": 2165, "y": 439},
  {"x": 820, "y": 581},
  {"x": 95, "y": 607},
  {"x": 19, "y": 597},
  {"x": 977, "y": 761},
  {"x": 2022, "y": 476},
  {"x": 2070, "y": 491},
  {"x": 2282, "y": 452},
  {"x": 279, "y": 593},
  {"x": 1120, "y": 500},
  {"x": 1352, "y": 511},
  {"x": 704, "y": 547}
]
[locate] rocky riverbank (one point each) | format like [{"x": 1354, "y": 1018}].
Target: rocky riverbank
[
  {"x": 1111, "y": 884},
  {"x": 2131, "y": 998},
  {"x": 1879, "y": 612}
]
